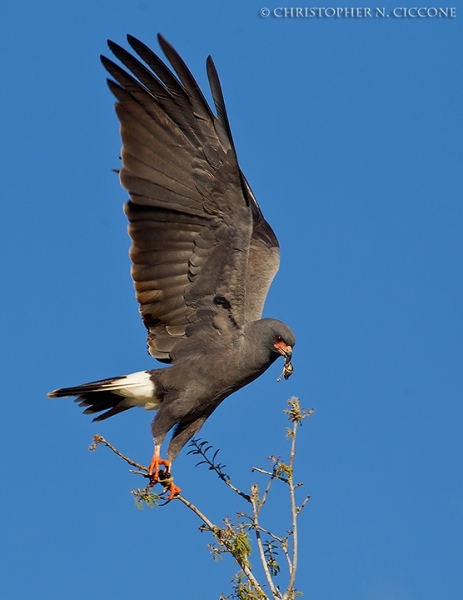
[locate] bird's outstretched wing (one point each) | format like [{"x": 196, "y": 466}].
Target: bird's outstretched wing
[
  {"x": 263, "y": 260},
  {"x": 264, "y": 250},
  {"x": 194, "y": 222}
]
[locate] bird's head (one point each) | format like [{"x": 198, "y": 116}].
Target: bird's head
[{"x": 282, "y": 339}]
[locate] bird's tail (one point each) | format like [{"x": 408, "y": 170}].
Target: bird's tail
[{"x": 115, "y": 395}]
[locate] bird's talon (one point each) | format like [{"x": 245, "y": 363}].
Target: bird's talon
[
  {"x": 167, "y": 481},
  {"x": 174, "y": 491},
  {"x": 157, "y": 462}
]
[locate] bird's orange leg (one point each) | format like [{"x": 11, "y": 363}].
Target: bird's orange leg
[
  {"x": 162, "y": 476},
  {"x": 157, "y": 462}
]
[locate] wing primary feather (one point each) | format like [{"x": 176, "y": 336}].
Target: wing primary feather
[
  {"x": 170, "y": 82},
  {"x": 186, "y": 78},
  {"x": 219, "y": 101},
  {"x": 165, "y": 88},
  {"x": 153, "y": 84},
  {"x": 161, "y": 107}
]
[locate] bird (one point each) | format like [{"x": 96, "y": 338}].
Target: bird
[{"x": 203, "y": 255}]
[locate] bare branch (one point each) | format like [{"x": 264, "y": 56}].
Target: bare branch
[
  {"x": 255, "y": 509},
  {"x": 292, "y": 576},
  {"x": 304, "y": 502},
  {"x": 266, "y": 492},
  {"x": 296, "y": 414},
  {"x": 263, "y": 471},
  {"x": 284, "y": 547},
  {"x": 216, "y": 531},
  {"x": 99, "y": 439},
  {"x": 210, "y": 526}
]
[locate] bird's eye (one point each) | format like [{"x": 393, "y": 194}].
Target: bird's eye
[{"x": 278, "y": 339}]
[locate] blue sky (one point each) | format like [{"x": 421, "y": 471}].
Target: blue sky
[{"x": 350, "y": 133}]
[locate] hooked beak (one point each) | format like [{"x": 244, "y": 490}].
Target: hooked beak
[
  {"x": 283, "y": 349},
  {"x": 287, "y": 352}
]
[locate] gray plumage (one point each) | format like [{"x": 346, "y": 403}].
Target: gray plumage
[{"x": 203, "y": 255}]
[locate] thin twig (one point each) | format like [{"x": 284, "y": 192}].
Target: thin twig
[
  {"x": 255, "y": 510},
  {"x": 99, "y": 439},
  {"x": 202, "y": 448},
  {"x": 284, "y": 547},
  {"x": 277, "y": 538},
  {"x": 215, "y": 530},
  {"x": 251, "y": 525},
  {"x": 292, "y": 577},
  {"x": 301, "y": 507},
  {"x": 264, "y": 472},
  {"x": 237, "y": 490},
  {"x": 266, "y": 492}
]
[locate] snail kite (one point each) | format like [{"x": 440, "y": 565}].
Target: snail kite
[{"x": 203, "y": 255}]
